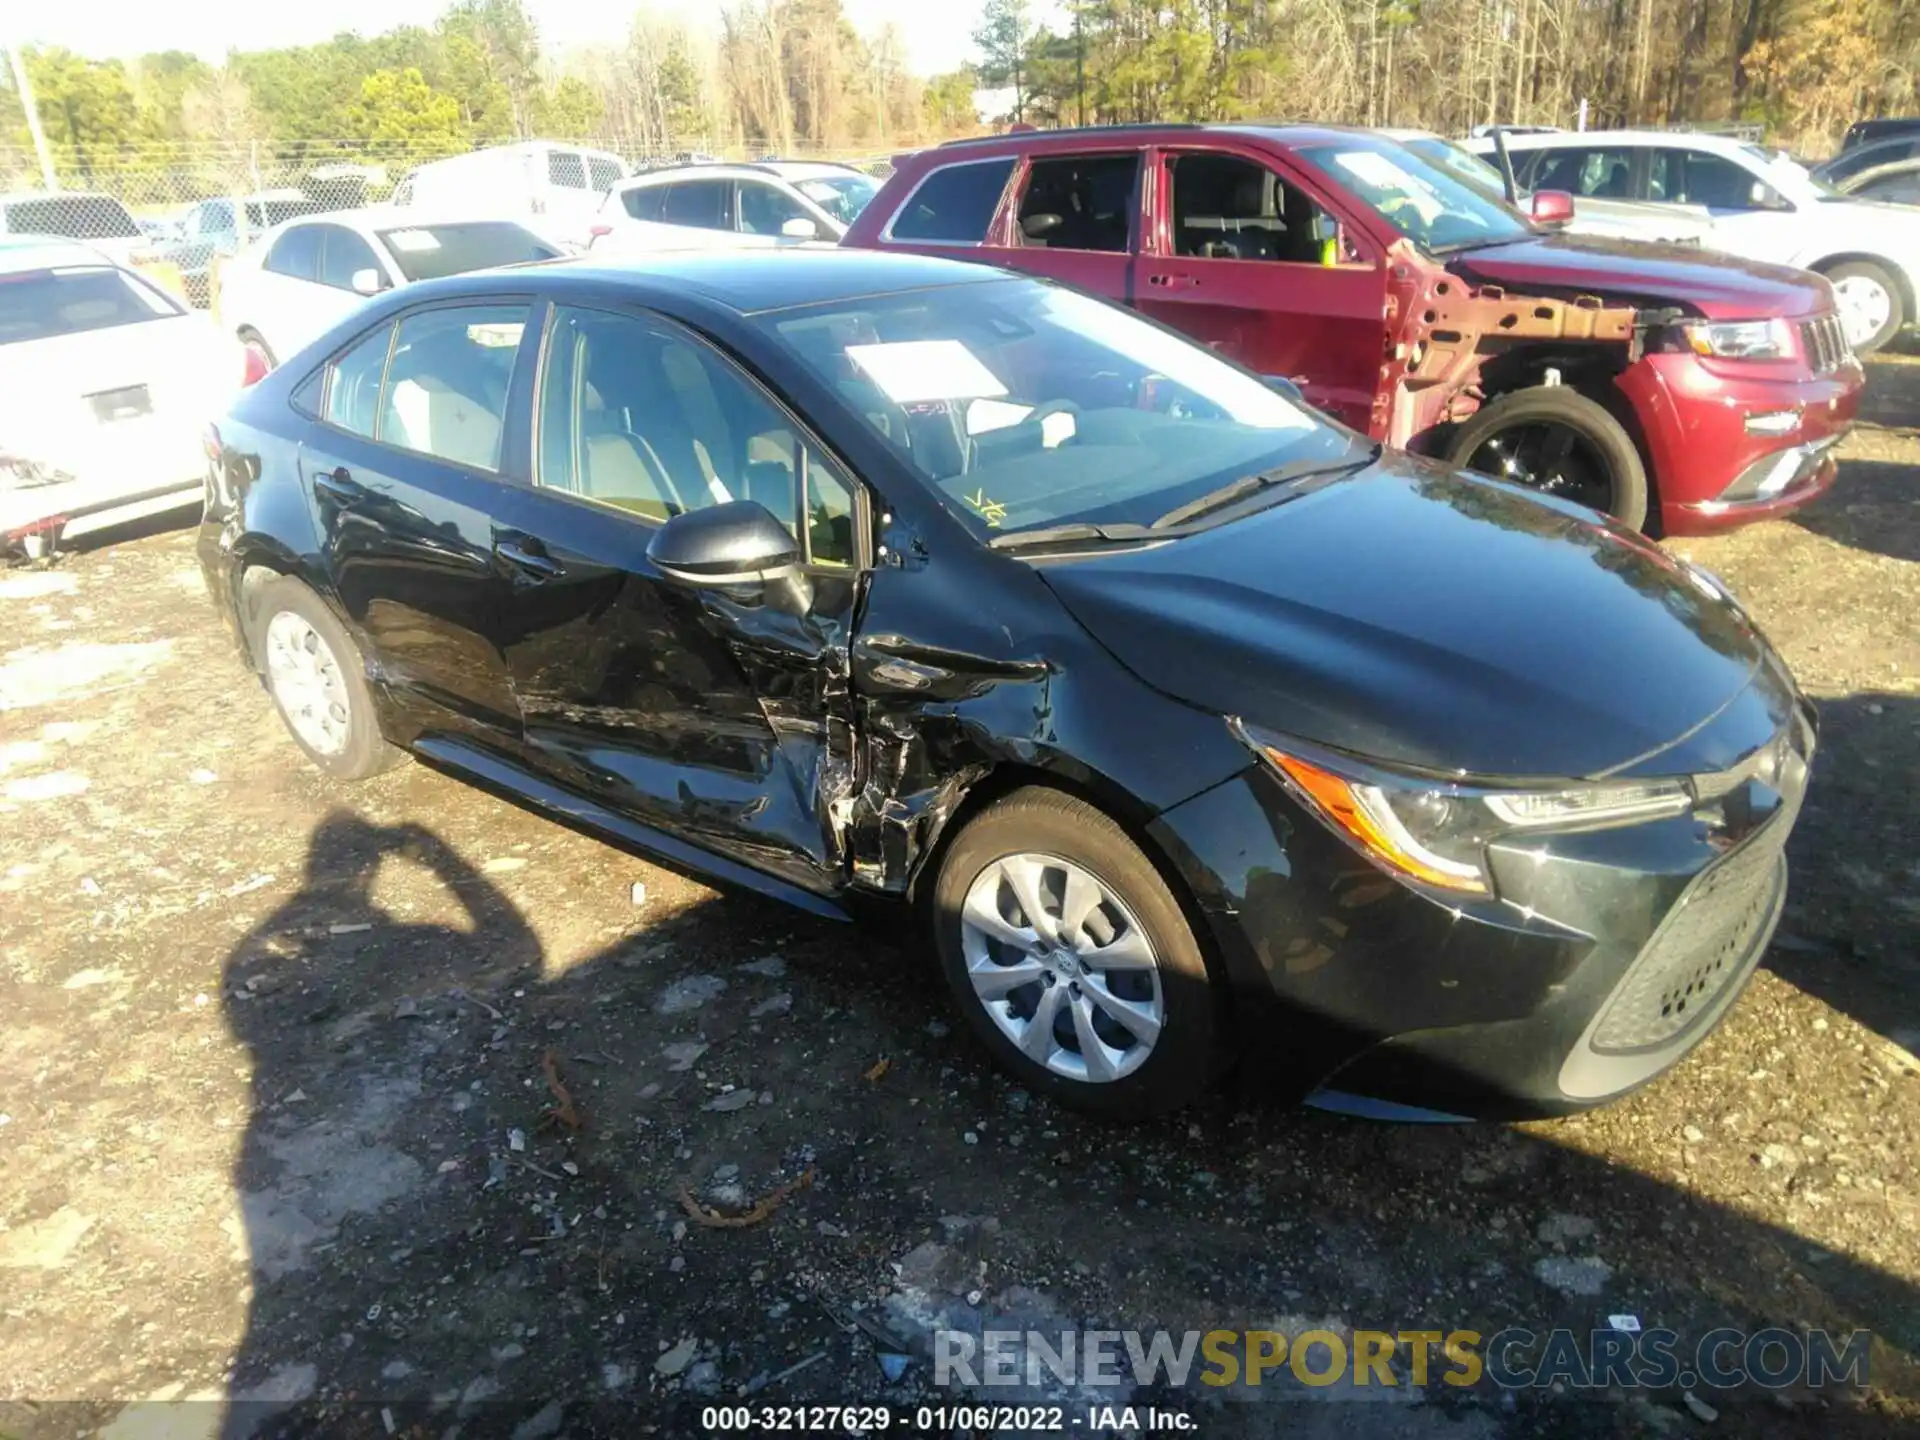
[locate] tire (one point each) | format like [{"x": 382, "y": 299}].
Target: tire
[
  {"x": 1189, "y": 1049},
  {"x": 1868, "y": 274},
  {"x": 1615, "y": 480},
  {"x": 323, "y": 700}
]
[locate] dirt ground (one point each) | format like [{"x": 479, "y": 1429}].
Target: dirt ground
[{"x": 279, "y": 1151}]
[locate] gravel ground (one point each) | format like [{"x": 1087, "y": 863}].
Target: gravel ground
[{"x": 277, "y": 1125}]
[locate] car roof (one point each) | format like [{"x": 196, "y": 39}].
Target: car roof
[
  {"x": 20, "y": 253},
  {"x": 733, "y": 170},
  {"x": 745, "y": 281},
  {"x": 1286, "y": 132},
  {"x": 1569, "y": 139},
  {"x": 369, "y": 218}
]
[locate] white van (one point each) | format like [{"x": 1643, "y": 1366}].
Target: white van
[{"x": 564, "y": 183}]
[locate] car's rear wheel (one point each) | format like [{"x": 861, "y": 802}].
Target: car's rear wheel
[
  {"x": 1870, "y": 310},
  {"x": 1071, "y": 959},
  {"x": 318, "y": 682},
  {"x": 1555, "y": 440}
]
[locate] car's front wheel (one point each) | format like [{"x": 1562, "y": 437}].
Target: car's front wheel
[
  {"x": 1870, "y": 310},
  {"x": 1553, "y": 439},
  {"x": 318, "y": 683},
  {"x": 1069, "y": 956}
]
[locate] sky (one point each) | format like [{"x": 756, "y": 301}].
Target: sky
[{"x": 938, "y": 36}]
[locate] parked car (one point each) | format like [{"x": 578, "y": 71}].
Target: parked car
[
  {"x": 1894, "y": 184},
  {"x": 1870, "y": 156},
  {"x": 779, "y": 202},
  {"x": 1660, "y": 384},
  {"x": 559, "y": 183},
  {"x": 100, "y": 220},
  {"x": 220, "y": 228},
  {"x": 305, "y": 275},
  {"x": 1764, "y": 207},
  {"x": 1590, "y": 215},
  {"x": 1179, "y": 715},
  {"x": 106, "y": 386},
  {"x": 1863, "y": 132}
]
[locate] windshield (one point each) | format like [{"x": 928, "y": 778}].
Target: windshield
[
  {"x": 40, "y": 304},
  {"x": 78, "y": 217},
  {"x": 1423, "y": 201},
  {"x": 1461, "y": 164},
  {"x": 841, "y": 196},
  {"x": 1022, "y": 404},
  {"x": 426, "y": 252}
]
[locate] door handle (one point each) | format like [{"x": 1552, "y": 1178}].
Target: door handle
[
  {"x": 339, "y": 486},
  {"x": 1168, "y": 282},
  {"x": 529, "y": 557}
]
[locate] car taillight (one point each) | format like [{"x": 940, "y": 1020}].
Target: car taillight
[{"x": 255, "y": 366}]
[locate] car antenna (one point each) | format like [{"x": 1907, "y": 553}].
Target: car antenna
[{"x": 1506, "y": 166}]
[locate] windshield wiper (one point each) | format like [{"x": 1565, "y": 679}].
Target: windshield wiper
[
  {"x": 1295, "y": 474},
  {"x": 1070, "y": 531}
]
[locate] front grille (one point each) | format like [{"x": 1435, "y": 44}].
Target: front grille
[
  {"x": 1824, "y": 343},
  {"x": 1701, "y": 948}
]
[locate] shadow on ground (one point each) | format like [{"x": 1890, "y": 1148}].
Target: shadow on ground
[{"x": 434, "y": 1244}]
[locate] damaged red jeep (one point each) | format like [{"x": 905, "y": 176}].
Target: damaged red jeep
[{"x": 1679, "y": 391}]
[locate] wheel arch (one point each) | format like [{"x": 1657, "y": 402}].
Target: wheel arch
[
  {"x": 1069, "y": 778},
  {"x": 1903, "y": 282}
]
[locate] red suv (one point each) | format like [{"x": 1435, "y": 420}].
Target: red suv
[{"x": 1678, "y": 390}]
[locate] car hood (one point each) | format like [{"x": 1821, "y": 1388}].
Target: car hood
[
  {"x": 1428, "y": 620},
  {"x": 1718, "y": 286}
]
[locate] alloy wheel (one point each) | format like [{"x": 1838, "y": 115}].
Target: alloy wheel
[
  {"x": 307, "y": 685},
  {"x": 1553, "y": 459},
  {"x": 1062, "y": 967},
  {"x": 1865, "y": 308}
]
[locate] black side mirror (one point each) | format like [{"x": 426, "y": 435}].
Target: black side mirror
[{"x": 738, "y": 545}]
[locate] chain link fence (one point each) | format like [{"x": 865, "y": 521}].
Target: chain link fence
[{"x": 177, "y": 209}]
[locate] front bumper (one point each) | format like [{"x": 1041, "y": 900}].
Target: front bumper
[
  {"x": 1605, "y": 959},
  {"x": 1708, "y": 466}
]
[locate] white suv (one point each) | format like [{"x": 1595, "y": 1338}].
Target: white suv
[
  {"x": 769, "y": 202},
  {"x": 1763, "y": 207}
]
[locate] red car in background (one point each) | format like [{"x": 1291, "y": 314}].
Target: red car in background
[{"x": 1679, "y": 391}]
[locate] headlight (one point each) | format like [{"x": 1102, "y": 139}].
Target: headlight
[
  {"x": 1741, "y": 339},
  {"x": 1436, "y": 833}
]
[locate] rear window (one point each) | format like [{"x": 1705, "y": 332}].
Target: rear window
[
  {"x": 39, "y": 304},
  {"x": 78, "y": 217},
  {"x": 426, "y": 252},
  {"x": 954, "y": 203}
]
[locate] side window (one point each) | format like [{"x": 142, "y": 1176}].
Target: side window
[
  {"x": 1902, "y": 188},
  {"x": 446, "y": 387},
  {"x": 296, "y": 254},
  {"x": 699, "y": 203},
  {"x": 764, "y": 208},
  {"x": 1227, "y": 208},
  {"x": 637, "y": 416},
  {"x": 353, "y": 383},
  {"x": 602, "y": 174},
  {"x": 1716, "y": 182},
  {"x": 644, "y": 202},
  {"x": 344, "y": 253},
  {"x": 567, "y": 168},
  {"x": 954, "y": 204},
  {"x": 1602, "y": 174},
  {"x": 1080, "y": 202}
]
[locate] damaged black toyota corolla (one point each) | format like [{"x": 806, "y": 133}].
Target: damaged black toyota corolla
[{"x": 1186, "y": 722}]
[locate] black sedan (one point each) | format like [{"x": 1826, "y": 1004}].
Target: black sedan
[{"x": 1185, "y": 721}]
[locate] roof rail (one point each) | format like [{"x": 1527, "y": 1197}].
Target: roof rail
[{"x": 1075, "y": 130}]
